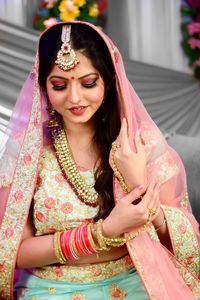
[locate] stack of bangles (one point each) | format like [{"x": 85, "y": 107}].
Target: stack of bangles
[{"x": 78, "y": 242}]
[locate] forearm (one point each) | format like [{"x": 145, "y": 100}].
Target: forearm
[
  {"x": 39, "y": 251},
  {"x": 36, "y": 252},
  {"x": 160, "y": 225}
]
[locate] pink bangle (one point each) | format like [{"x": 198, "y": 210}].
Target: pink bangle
[
  {"x": 63, "y": 247},
  {"x": 86, "y": 241},
  {"x": 67, "y": 244},
  {"x": 78, "y": 242}
]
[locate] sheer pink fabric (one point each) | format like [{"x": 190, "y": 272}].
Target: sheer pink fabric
[{"x": 164, "y": 275}]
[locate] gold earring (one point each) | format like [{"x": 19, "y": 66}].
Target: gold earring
[{"x": 52, "y": 120}]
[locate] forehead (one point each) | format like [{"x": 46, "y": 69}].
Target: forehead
[{"x": 84, "y": 66}]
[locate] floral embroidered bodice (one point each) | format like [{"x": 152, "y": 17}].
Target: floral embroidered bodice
[{"x": 55, "y": 205}]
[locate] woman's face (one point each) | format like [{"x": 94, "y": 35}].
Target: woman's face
[{"x": 76, "y": 94}]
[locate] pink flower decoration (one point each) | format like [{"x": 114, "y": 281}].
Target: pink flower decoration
[
  {"x": 60, "y": 178},
  {"x": 193, "y": 3},
  {"x": 50, "y": 22},
  {"x": 39, "y": 181},
  {"x": 194, "y": 43},
  {"x": 128, "y": 260},
  {"x": 67, "y": 207},
  {"x": 116, "y": 293},
  {"x": 182, "y": 228},
  {"x": 2, "y": 268},
  {"x": 40, "y": 216},
  {"x": 193, "y": 28},
  {"x": 189, "y": 260},
  {"x": 9, "y": 232},
  {"x": 197, "y": 62},
  {"x": 78, "y": 298},
  {"x": 96, "y": 271},
  {"x": 58, "y": 271},
  {"x": 18, "y": 196},
  {"x": 36, "y": 122},
  {"x": 27, "y": 158},
  {"x": 49, "y": 203}
]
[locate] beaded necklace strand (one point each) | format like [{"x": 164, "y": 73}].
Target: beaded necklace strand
[{"x": 85, "y": 193}]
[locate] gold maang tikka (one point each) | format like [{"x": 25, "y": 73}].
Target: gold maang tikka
[{"x": 66, "y": 57}]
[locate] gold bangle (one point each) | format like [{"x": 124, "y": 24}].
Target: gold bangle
[
  {"x": 90, "y": 226},
  {"x": 117, "y": 173},
  {"x": 57, "y": 249},
  {"x": 100, "y": 237},
  {"x": 120, "y": 240}
]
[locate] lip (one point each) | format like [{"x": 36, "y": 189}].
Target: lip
[{"x": 77, "y": 110}]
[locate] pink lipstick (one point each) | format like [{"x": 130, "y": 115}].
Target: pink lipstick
[{"x": 78, "y": 110}]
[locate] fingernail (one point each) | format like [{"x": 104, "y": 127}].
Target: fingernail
[
  {"x": 138, "y": 132},
  {"x": 140, "y": 186}
]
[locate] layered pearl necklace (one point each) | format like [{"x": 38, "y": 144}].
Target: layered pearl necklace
[{"x": 86, "y": 193}]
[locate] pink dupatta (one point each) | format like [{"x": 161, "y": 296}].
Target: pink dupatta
[{"x": 165, "y": 275}]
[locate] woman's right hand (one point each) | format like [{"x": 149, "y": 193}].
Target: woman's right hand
[{"x": 126, "y": 215}]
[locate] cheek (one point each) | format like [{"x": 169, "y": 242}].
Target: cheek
[
  {"x": 98, "y": 97},
  {"x": 54, "y": 98}
]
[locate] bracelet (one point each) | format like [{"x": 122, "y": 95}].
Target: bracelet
[
  {"x": 105, "y": 243},
  {"x": 163, "y": 223},
  {"x": 100, "y": 237},
  {"x": 117, "y": 173},
  {"x": 57, "y": 248}
]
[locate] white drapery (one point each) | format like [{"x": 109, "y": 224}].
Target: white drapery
[{"x": 155, "y": 35}]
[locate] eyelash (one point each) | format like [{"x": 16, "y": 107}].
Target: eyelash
[{"x": 86, "y": 85}]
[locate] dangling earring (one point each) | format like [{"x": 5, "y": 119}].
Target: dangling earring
[{"x": 52, "y": 123}]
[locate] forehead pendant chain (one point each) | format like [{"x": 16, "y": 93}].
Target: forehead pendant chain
[{"x": 66, "y": 57}]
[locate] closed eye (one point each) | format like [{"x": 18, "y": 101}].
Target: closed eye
[
  {"x": 89, "y": 84},
  {"x": 59, "y": 87}
]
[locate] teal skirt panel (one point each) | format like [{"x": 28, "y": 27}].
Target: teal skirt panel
[{"x": 126, "y": 286}]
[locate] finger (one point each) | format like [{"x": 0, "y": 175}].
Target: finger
[
  {"x": 147, "y": 198},
  {"x": 139, "y": 143},
  {"x": 124, "y": 142},
  {"x": 155, "y": 201},
  {"x": 155, "y": 204},
  {"x": 134, "y": 194}
]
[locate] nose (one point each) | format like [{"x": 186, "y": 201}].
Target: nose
[{"x": 74, "y": 94}]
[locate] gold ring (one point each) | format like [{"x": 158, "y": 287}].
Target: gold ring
[{"x": 151, "y": 211}]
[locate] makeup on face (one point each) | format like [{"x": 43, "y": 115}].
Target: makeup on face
[{"x": 87, "y": 81}]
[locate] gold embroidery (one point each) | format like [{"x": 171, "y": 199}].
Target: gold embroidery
[
  {"x": 77, "y": 296},
  {"x": 184, "y": 202},
  {"x": 152, "y": 232},
  {"x": 51, "y": 290},
  {"x": 163, "y": 167},
  {"x": 183, "y": 237},
  {"x": 117, "y": 293},
  {"x": 142, "y": 274},
  {"x": 86, "y": 273},
  {"x": 56, "y": 207},
  {"x": 192, "y": 282},
  {"x": 16, "y": 211}
]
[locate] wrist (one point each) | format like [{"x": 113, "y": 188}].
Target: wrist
[{"x": 107, "y": 230}]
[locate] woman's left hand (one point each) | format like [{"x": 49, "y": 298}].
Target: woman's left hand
[{"x": 131, "y": 165}]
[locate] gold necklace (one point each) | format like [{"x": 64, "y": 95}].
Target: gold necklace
[{"x": 86, "y": 193}]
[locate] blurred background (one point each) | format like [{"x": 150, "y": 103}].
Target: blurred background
[{"x": 159, "y": 41}]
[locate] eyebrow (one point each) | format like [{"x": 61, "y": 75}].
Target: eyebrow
[{"x": 82, "y": 77}]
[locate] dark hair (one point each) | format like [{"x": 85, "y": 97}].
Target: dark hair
[{"x": 91, "y": 44}]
